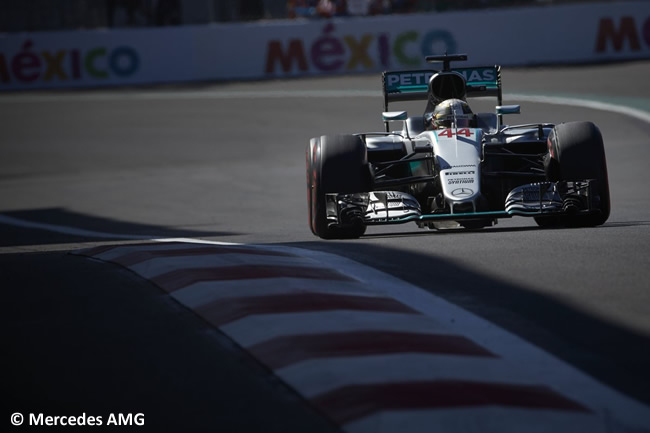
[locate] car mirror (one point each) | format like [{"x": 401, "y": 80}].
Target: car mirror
[
  {"x": 394, "y": 115},
  {"x": 508, "y": 109}
]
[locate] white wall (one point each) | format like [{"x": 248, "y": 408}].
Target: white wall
[{"x": 274, "y": 49}]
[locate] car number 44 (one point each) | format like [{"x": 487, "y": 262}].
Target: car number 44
[{"x": 450, "y": 133}]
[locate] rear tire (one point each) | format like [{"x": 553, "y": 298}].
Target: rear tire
[
  {"x": 577, "y": 153},
  {"x": 335, "y": 163}
]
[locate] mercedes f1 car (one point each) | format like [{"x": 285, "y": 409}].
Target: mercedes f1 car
[{"x": 451, "y": 167}]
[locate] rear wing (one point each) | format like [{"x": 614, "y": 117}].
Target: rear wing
[{"x": 413, "y": 85}]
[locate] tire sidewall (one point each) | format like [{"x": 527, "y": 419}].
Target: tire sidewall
[
  {"x": 335, "y": 163},
  {"x": 577, "y": 153}
]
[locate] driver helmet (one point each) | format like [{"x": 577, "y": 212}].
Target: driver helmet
[{"x": 452, "y": 111}]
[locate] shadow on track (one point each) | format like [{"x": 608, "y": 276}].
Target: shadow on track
[
  {"x": 453, "y": 231},
  {"x": 59, "y": 225},
  {"x": 92, "y": 338},
  {"x": 627, "y": 224},
  {"x": 493, "y": 230},
  {"x": 613, "y": 354}
]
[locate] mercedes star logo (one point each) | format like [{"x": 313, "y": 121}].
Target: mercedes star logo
[{"x": 462, "y": 192}]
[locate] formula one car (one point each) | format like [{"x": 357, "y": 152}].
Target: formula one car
[{"x": 453, "y": 168}]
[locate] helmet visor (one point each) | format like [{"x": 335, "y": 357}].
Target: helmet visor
[{"x": 452, "y": 121}]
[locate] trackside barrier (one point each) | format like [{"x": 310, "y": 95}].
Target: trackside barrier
[{"x": 577, "y": 33}]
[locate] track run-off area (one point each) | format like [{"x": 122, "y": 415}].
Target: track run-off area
[{"x": 155, "y": 253}]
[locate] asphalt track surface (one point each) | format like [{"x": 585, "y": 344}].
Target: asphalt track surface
[{"x": 226, "y": 163}]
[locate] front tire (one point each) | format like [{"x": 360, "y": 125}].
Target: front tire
[
  {"x": 335, "y": 163},
  {"x": 577, "y": 152}
]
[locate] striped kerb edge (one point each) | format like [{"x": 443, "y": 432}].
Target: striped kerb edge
[{"x": 361, "y": 357}]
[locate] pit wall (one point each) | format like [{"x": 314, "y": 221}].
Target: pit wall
[{"x": 577, "y": 33}]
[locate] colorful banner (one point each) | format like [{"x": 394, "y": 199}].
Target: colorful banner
[
  {"x": 577, "y": 33},
  {"x": 95, "y": 58}
]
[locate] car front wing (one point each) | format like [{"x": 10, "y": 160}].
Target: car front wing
[{"x": 394, "y": 207}]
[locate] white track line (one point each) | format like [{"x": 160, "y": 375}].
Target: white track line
[
  {"x": 283, "y": 94},
  {"x": 585, "y": 103}
]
